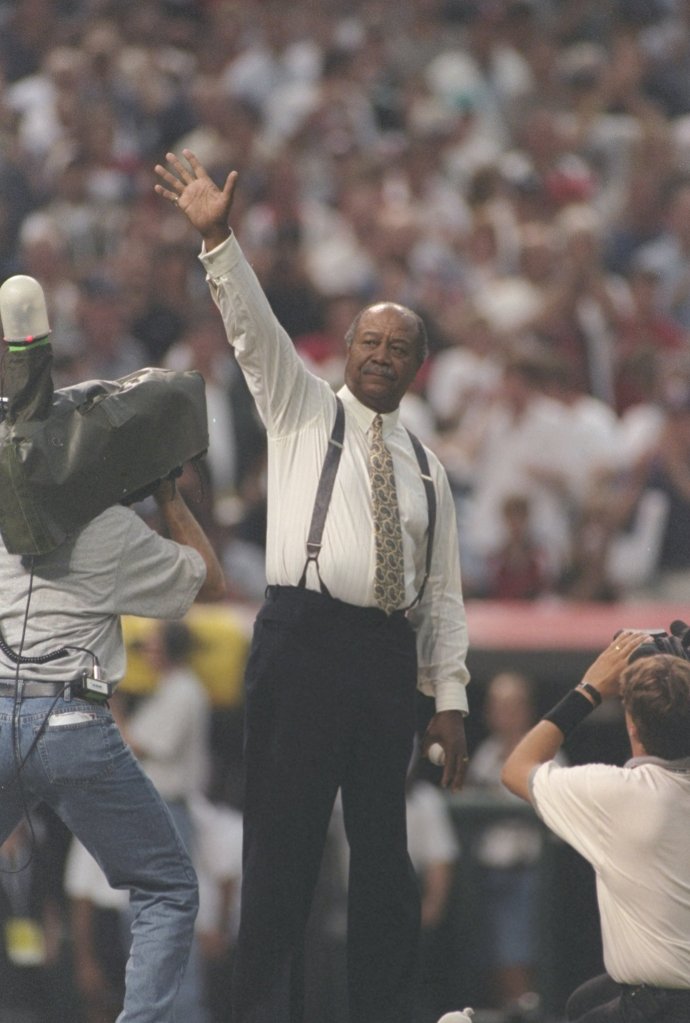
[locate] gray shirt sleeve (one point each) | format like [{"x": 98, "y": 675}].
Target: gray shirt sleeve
[{"x": 155, "y": 577}]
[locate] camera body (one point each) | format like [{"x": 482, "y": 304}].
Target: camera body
[
  {"x": 675, "y": 642},
  {"x": 90, "y": 446}
]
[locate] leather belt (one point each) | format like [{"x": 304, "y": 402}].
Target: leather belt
[
  {"x": 347, "y": 613},
  {"x": 680, "y": 992},
  {"x": 33, "y": 689}
]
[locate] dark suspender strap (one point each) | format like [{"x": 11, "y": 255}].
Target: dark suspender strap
[
  {"x": 431, "y": 505},
  {"x": 324, "y": 492}
]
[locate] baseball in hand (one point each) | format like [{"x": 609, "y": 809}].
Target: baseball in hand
[{"x": 436, "y": 754}]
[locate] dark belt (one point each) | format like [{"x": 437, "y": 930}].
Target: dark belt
[
  {"x": 644, "y": 1002},
  {"x": 33, "y": 689},
  {"x": 633, "y": 989},
  {"x": 347, "y": 613}
]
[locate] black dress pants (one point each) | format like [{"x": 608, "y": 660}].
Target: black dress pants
[
  {"x": 330, "y": 703},
  {"x": 602, "y": 1000}
]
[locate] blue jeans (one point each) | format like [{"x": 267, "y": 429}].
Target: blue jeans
[{"x": 85, "y": 773}]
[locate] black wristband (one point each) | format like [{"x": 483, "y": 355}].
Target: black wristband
[
  {"x": 570, "y": 711},
  {"x": 594, "y": 693}
]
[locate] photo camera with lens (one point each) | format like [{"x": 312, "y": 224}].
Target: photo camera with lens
[{"x": 675, "y": 642}]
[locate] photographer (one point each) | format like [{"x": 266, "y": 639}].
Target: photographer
[{"x": 631, "y": 823}]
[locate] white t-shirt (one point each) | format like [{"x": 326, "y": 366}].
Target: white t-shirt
[{"x": 632, "y": 824}]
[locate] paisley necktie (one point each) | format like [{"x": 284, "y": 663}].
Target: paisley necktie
[{"x": 389, "y": 579}]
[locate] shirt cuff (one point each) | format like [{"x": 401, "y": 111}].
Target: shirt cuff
[
  {"x": 223, "y": 258},
  {"x": 451, "y": 696}
]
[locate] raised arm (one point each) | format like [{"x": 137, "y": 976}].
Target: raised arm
[
  {"x": 544, "y": 740},
  {"x": 284, "y": 391},
  {"x": 184, "y": 529}
]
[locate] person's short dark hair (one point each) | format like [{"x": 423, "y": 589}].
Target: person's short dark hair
[
  {"x": 178, "y": 641},
  {"x": 655, "y": 692},
  {"x": 421, "y": 338}
]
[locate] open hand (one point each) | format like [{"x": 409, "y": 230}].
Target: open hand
[{"x": 189, "y": 187}]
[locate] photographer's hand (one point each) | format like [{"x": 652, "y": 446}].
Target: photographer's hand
[{"x": 604, "y": 674}]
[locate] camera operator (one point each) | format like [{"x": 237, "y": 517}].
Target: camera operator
[
  {"x": 632, "y": 823},
  {"x": 58, "y": 740}
]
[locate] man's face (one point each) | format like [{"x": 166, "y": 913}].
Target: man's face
[{"x": 383, "y": 359}]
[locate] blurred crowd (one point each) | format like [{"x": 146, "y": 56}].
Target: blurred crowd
[{"x": 518, "y": 171}]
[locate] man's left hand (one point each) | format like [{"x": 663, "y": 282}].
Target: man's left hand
[{"x": 448, "y": 729}]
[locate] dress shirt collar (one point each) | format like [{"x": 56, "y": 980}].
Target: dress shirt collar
[{"x": 365, "y": 416}]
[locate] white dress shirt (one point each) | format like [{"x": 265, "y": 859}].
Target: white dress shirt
[{"x": 298, "y": 410}]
